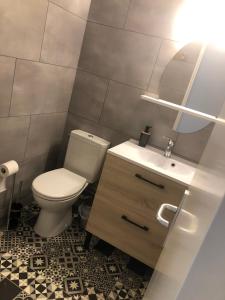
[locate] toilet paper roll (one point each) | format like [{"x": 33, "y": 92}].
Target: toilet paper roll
[{"x": 9, "y": 168}]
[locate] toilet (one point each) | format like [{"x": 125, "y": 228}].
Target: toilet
[{"x": 56, "y": 191}]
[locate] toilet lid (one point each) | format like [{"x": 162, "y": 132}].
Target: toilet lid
[{"x": 58, "y": 184}]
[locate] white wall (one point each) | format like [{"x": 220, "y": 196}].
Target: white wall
[
  {"x": 206, "y": 278},
  {"x": 186, "y": 269}
]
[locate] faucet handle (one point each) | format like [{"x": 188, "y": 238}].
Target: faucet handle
[{"x": 170, "y": 140}]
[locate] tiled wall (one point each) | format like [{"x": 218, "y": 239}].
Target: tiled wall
[
  {"x": 127, "y": 46},
  {"x": 40, "y": 44}
]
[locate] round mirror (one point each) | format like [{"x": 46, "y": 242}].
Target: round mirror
[
  {"x": 178, "y": 72},
  {"x": 194, "y": 78}
]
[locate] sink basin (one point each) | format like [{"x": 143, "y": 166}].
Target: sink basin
[{"x": 175, "y": 168}]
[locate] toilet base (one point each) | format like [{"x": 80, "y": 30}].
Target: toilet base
[{"x": 52, "y": 223}]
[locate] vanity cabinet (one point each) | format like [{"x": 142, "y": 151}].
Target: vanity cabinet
[{"x": 125, "y": 208}]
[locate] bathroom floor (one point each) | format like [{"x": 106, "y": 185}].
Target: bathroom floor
[{"x": 60, "y": 268}]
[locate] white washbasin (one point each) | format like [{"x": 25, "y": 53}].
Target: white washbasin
[{"x": 175, "y": 168}]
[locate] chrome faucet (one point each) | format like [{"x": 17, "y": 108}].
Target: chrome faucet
[{"x": 169, "y": 147}]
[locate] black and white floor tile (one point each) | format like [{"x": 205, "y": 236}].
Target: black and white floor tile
[{"x": 60, "y": 268}]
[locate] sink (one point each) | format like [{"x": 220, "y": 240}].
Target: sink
[{"x": 175, "y": 168}]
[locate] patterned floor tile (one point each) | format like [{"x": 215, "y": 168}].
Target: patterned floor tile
[
  {"x": 68, "y": 261},
  {"x": 79, "y": 249},
  {"x": 112, "y": 268},
  {"x": 39, "y": 262},
  {"x": 60, "y": 268},
  {"x": 23, "y": 296},
  {"x": 40, "y": 288},
  {"x": 23, "y": 251},
  {"x": 73, "y": 285},
  {"x": 8, "y": 264},
  {"x": 120, "y": 292}
]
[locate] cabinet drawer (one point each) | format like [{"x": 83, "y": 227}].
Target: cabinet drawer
[
  {"x": 129, "y": 179},
  {"x": 140, "y": 190},
  {"x": 124, "y": 230}
]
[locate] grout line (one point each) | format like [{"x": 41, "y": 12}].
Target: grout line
[
  {"x": 101, "y": 125},
  {"x": 104, "y": 102},
  {"x": 137, "y": 32},
  {"x": 31, "y": 114},
  {"x": 129, "y": 30},
  {"x": 40, "y": 62},
  {"x": 28, "y": 133},
  {"x": 114, "y": 80},
  {"x": 92, "y": 73},
  {"x": 126, "y": 18},
  {"x": 14, "y": 74},
  {"x": 44, "y": 31},
  {"x": 154, "y": 65},
  {"x": 27, "y": 139},
  {"x": 68, "y": 11}
]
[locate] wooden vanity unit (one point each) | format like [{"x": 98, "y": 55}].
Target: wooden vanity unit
[{"x": 125, "y": 208}]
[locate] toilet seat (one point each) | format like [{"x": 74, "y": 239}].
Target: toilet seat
[
  {"x": 58, "y": 185},
  {"x": 55, "y": 199}
]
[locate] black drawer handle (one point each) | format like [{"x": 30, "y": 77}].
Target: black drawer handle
[
  {"x": 125, "y": 218},
  {"x": 160, "y": 186}
]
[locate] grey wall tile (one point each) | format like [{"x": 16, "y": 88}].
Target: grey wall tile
[
  {"x": 13, "y": 136},
  {"x": 7, "y": 66},
  {"x": 88, "y": 95},
  {"x": 77, "y": 7},
  {"x": 154, "y": 17},
  {"x": 154, "y": 84},
  {"x": 27, "y": 172},
  {"x": 192, "y": 145},
  {"x": 76, "y": 122},
  {"x": 21, "y": 27},
  {"x": 119, "y": 55},
  {"x": 125, "y": 111},
  {"x": 63, "y": 37},
  {"x": 163, "y": 128},
  {"x": 167, "y": 52},
  {"x": 129, "y": 58},
  {"x": 38, "y": 88},
  {"x": 45, "y": 134},
  {"x": 41, "y": 88},
  {"x": 112, "y": 13}
]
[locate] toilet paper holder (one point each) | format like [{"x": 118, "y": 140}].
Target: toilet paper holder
[{"x": 8, "y": 169}]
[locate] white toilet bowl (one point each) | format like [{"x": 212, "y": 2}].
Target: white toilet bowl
[{"x": 55, "y": 192}]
